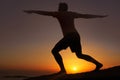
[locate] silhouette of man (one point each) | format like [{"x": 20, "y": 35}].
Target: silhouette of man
[{"x": 71, "y": 37}]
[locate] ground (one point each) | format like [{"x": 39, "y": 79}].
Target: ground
[{"x": 105, "y": 74}]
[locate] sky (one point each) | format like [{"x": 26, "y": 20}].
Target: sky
[{"x": 26, "y": 40}]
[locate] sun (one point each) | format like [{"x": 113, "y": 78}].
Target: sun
[{"x": 74, "y": 68}]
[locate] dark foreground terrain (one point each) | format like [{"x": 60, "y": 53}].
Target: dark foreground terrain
[{"x": 105, "y": 74}]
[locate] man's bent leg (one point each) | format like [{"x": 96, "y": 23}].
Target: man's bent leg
[
  {"x": 62, "y": 44},
  {"x": 59, "y": 60},
  {"x": 90, "y": 59}
]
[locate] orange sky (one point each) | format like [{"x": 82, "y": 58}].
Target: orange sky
[{"x": 35, "y": 59}]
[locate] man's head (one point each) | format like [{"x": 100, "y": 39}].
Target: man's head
[{"x": 63, "y": 7}]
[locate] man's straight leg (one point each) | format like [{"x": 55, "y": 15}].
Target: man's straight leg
[
  {"x": 77, "y": 48},
  {"x": 90, "y": 59}
]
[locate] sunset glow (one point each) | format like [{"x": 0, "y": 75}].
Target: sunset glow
[{"x": 74, "y": 68}]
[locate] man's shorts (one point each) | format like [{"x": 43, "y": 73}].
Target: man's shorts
[{"x": 71, "y": 40}]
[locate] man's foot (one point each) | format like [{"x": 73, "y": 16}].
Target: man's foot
[
  {"x": 98, "y": 66},
  {"x": 61, "y": 72}
]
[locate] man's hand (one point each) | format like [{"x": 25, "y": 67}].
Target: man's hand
[
  {"x": 103, "y": 16},
  {"x": 28, "y": 11}
]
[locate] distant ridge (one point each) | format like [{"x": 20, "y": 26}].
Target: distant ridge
[{"x": 105, "y": 74}]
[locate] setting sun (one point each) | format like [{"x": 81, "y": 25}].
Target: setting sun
[{"x": 74, "y": 68}]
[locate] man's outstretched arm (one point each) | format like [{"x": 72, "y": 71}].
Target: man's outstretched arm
[
  {"x": 40, "y": 12},
  {"x": 87, "y": 16}
]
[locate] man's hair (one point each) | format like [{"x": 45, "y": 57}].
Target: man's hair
[{"x": 63, "y": 6}]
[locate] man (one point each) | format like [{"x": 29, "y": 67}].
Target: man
[{"x": 71, "y": 37}]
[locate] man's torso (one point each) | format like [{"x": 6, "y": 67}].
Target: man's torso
[{"x": 66, "y": 21}]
